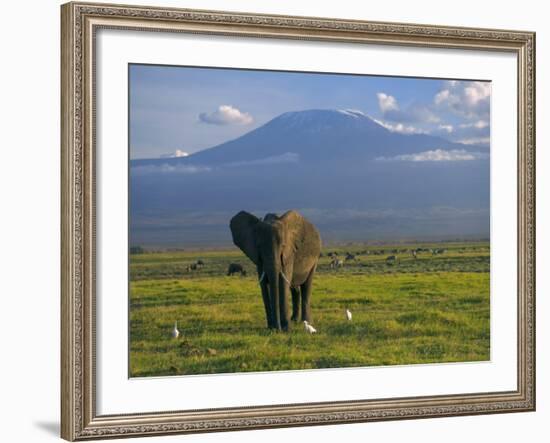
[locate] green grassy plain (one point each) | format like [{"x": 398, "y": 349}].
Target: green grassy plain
[{"x": 431, "y": 309}]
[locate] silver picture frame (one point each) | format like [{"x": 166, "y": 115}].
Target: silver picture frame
[{"x": 80, "y": 22}]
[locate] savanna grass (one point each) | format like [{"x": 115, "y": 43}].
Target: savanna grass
[{"x": 431, "y": 309}]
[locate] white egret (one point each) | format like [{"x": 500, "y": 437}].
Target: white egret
[
  {"x": 309, "y": 329},
  {"x": 348, "y": 314},
  {"x": 175, "y": 332}
]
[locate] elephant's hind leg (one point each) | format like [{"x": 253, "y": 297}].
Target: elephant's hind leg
[{"x": 295, "y": 303}]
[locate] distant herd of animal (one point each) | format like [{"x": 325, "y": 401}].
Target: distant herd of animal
[{"x": 336, "y": 261}]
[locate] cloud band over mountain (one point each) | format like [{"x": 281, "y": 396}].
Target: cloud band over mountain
[{"x": 438, "y": 155}]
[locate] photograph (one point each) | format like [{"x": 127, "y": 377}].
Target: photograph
[{"x": 287, "y": 220}]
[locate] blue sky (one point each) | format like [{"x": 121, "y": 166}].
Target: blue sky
[{"x": 177, "y": 110}]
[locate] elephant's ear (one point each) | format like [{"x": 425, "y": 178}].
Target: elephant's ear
[
  {"x": 294, "y": 223},
  {"x": 242, "y": 229}
]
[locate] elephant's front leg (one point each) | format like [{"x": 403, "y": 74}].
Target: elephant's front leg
[
  {"x": 295, "y": 303},
  {"x": 306, "y": 289},
  {"x": 267, "y": 304},
  {"x": 283, "y": 304}
]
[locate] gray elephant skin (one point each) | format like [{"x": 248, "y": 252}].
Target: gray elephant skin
[{"x": 285, "y": 251}]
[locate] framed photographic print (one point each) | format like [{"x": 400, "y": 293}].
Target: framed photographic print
[{"x": 284, "y": 221}]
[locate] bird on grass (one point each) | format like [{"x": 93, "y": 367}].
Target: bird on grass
[
  {"x": 309, "y": 329},
  {"x": 175, "y": 332},
  {"x": 348, "y": 314}
]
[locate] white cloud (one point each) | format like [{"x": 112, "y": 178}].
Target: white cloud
[
  {"x": 225, "y": 115},
  {"x": 415, "y": 113},
  {"x": 166, "y": 168},
  {"x": 475, "y": 141},
  {"x": 387, "y": 102},
  {"x": 468, "y": 99},
  {"x": 424, "y": 114},
  {"x": 178, "y": 153},
  {"x": 458, "y": 112},
  {"x": 400, "y": 127},
  {"x": 437, "y": 155},
  {"x": 170, "y": 168},
  {"x": 480, "y": 124},
  {"x": 477, "y": 92},
  {"x": 446, "y": 128},
  {"x": 287, "y": 157},
  {"x": 473, "y": 133},
  {"x": 442, "y": 96}
]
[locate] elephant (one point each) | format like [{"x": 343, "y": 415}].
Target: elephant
[
  {"x": 285, "y": 251},
  {"x": 236, "y": 268}
]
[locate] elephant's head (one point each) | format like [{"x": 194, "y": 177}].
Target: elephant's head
[{"x": 276, "y": 245}]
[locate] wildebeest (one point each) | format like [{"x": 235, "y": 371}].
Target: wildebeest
[
  {"x": 391, "y": 259},
  {"x": 194, "y": 266},
  {"x": 350, "y": 257},
  {"x": 236, "y": 268}
]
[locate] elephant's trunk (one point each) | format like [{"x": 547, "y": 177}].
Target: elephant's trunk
[{"x": 284, "y": 301}]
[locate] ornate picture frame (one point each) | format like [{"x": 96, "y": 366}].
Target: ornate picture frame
[{"x": 80, "y": 23}]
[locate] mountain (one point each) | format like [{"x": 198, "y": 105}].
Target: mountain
[
  {"x": 316, "y": 136},
  {"x": 355, "y": 179}
]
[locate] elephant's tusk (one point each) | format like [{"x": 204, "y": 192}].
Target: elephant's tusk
[
  {"x": 284, "y": 277},
  {"x": 261, "y": 277}
]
